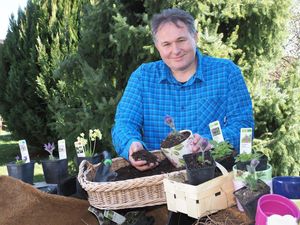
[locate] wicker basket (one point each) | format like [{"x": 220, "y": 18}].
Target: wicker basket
[{"x": 131, "y": 193}]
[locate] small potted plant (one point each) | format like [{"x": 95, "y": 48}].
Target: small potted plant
[
  {"x": 55, "y": 170},
  {"x": 176, "y": 144},
  {"x": 254, "y": 188},
  {"x": 244, "y": 159},
  {"x": 87, "y": 147},
  {"x": 223, "y": 153},
  {"x": 200, "y": 166},
  {"x": 21, "y": 170}
]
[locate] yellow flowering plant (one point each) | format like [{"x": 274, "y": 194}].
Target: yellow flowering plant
[{"x": 89, "y": 143}]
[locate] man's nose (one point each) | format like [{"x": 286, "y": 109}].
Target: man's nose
[{"x": 175, "y": 48}]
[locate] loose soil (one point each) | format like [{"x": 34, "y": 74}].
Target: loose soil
[
  {"x": 193, "y": 162},
  {"x": 230, "y": 216},
  {"x": 130, "y": 172},
  {"x": 246, "y": 195},
  {"x": 174, "y": 139}
]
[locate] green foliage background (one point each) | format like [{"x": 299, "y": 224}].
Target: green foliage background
[{"x": 65, "y": 64}]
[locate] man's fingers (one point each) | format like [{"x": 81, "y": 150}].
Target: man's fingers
[
  {"x": 147, "y": 167},
  {"x": 140, "y": 163},
  {"x": 196, "y": 138}
]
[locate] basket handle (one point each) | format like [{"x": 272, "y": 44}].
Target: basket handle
[
  {"x": 82, "y": 168},
  {"x": 222, "y": 169}
]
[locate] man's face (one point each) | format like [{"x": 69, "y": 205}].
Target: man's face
[{"x": 176, "y": 46}]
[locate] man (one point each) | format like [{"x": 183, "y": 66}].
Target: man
[{"x": 192, "y": 88}]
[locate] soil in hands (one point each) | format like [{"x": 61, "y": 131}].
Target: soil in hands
[
  {"x": 144, "y": 155},
  {"x": 174, "y": 139},
  {"x": 130, "y": 172}
]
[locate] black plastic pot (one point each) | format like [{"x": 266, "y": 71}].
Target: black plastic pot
[
  {"x": 23, "y": 171},
  {"x": 199, "y": 174},
  {"x": 55, "y": 171},
  {"x": 250, "y": 204},
  {"x": 228, "y": 161},
  {"x": 94, "y": 160},
  {"x": 263, "y": 164},
  {"x": 81, "y": 193}
]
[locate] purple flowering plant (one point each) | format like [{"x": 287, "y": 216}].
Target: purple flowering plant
[
  {"x": 170, "y": 122},
  {"x": 50, "y": 148}
]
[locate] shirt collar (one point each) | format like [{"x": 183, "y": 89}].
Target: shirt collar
[{"x": 168, "y": 77}]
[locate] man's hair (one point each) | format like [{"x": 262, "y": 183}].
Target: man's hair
[{"x": 174, "y": 16}]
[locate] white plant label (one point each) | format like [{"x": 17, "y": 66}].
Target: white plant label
[
  {"x": 115, "y": 217},
  {"x": 216, "y": 131},
  {"x": 79, "y": 149},
  {"x": 246, "y": 140},
  {"x": 24, "y": 151},
  {"x": 62, "y": 152}
]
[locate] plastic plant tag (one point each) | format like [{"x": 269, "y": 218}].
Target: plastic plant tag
[
  {"x": 246, "y": 140},
  {"x": 115, "y": 217},
  {"x": 24, "y": 151},
  {"x": 62, "y": 149},
  {"x": 98, "y": 213},
  {"x": 79, "y": 149},
  {"x": 216, "y": 131}
]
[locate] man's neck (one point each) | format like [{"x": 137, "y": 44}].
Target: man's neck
[{"x": 184, "y": 75}]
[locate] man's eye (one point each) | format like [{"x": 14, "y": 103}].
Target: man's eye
[{"x": 166, "y": 44}]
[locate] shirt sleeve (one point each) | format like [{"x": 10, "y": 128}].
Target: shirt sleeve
[
  {"x": 129, "y": 117},
  {"x": 239, "y": 108}
]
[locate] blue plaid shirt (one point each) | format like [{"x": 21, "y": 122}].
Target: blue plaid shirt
[{"x": 216, "y": 91}]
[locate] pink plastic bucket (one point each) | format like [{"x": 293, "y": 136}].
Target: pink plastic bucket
[{"x": 271, "y": 204}]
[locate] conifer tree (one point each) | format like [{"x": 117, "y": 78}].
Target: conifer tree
[{"x": 44, "y": 33}]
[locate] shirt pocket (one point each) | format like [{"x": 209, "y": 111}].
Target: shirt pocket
[{"x": 211, "y": 109}]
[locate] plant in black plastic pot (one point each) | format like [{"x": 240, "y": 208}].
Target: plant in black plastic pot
[
  {"x": 254, "y": 188},
  {"x": 200, "y": 166},
  {"x": 21, "y": 170},
  {"x": 55, "y": 170},
  {"x": 244, "y": 159},
  {"x": 223, "y": 153}
]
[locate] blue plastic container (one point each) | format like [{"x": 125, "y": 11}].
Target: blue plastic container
[{"x": 287, "y": 186}]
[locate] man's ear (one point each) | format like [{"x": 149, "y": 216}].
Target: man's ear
[
  {"x": 196, "y": 37},
  {"x": 155, "y": 44}
]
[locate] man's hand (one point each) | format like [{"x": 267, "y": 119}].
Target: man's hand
[
  {"x": 141, "y": 165},
  {"x": 200, "y": 144}
]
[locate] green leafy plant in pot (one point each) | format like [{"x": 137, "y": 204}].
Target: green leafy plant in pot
[
  {"x": 21, "y": 170},
  {"x": 244, "y": 159},
  {"x": 254, "y": 188},
  {"x": 200, "y": 166},
  {"x": 55, "y": 170},
  {"x": 223, "y": 153}
]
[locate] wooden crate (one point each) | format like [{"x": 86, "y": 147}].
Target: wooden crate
[{"x": 201, "y": 200}]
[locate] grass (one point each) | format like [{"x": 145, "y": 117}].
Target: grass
[{"x": 9, "y": 149}]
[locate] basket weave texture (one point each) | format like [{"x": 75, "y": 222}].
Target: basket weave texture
[{"x": 131, "y": 193}]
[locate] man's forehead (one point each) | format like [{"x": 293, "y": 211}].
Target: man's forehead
[
  {"x": 178, "y": 23},
  {"x": 163, "y": 32}
]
